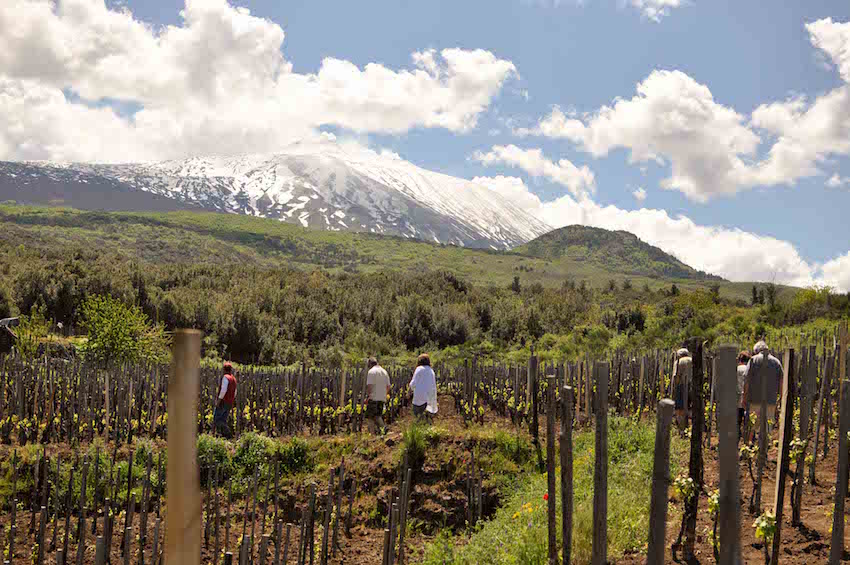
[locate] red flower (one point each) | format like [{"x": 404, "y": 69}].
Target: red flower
[{"x": 546, "y": 496}]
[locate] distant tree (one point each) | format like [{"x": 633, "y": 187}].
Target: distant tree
[
  {"x": 646, "y": 289},
  {"x": 533, "y": 324},
  {"x": 515, "y": 285},
  {"x": 118, "y": 333},
  {"x": 715, "y": 293},
  {"x": 627, "y": 284},
  {"x": 755, "y": 299},
  {"x": 5, "y": 303},
  {"x": 674, "y": 290},
  {"x": 612, "y": 285},
  {"x": 32, "y": 332},
  {"x": 770, "y": 292},
  {"x": 761, "y": 296}
]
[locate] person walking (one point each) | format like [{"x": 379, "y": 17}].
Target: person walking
[
  {"x": 377, "y": 391},
  {"x": 753, "y": 384},
  {"x": 743, "y": 361},
  {"x": 682, "y": 374},
  {"x": 423, "y": 386},
  {"x": 226, "y": 398}
]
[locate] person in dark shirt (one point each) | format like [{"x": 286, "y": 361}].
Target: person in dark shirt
[{"x": 226, "y": 398}]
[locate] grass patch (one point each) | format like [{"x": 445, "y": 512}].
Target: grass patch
[{"x": 518, "y": 532}]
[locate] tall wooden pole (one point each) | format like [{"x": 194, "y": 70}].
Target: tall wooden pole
[
  {"x": 183, "y": 520},
  {"x": 599, "y": 552},
  {"x": 836, "y": 550},
  {"x": 786, "y": 431},
  {"x": 566, "y": 439},
  {"x": 660, "y": 483},
  {"x": 729, "y": 510},
  {"x": 695, "y": 463},
  {"x": 552, "y": 385}
]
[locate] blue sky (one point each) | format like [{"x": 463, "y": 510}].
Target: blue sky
[{"x": 580, "y": 57}]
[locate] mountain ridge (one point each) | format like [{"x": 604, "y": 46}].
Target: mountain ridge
[
  {"x": 620, "y": 251},
  {"x": 315, "y": 185}
]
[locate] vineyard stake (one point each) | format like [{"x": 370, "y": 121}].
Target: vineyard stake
[
  {"x": 786, "y": 430},
  {"x": 660, "y": 483},
  {"x": 182, "y": 527},
  {"x": 551, "y": 385},
  {"x": 600, "y": 470},
  {"x": 728, "y": 511},
  {"x": 566, "y": 441}
]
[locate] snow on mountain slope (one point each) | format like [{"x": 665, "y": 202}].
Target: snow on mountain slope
[{"x": 320, "y": 186}]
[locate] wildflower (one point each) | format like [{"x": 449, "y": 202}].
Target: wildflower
[{"x": 546, "y": 496}]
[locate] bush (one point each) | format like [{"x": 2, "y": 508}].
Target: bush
[
  {"x": 253, "y": 451},
  {"x": 118, "y": 333},
  {"x": 295, "y": 456},
  {"x": 414, "y": 442},
  {"x": 214, "y": 452}
]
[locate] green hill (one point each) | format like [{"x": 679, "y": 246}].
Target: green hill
[
  {"x": 577, "y": 254},
  {"x": 618, "y": 251}
]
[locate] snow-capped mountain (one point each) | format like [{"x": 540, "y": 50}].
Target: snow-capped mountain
[{"x": 316, "y": 185}]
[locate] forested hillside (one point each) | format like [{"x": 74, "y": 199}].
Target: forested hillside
[
  {"x": 271, "y": 293},
  {"x": 618, "y": 251}
]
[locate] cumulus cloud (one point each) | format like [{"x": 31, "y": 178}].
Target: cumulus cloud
[
  {"x": 674, "y": 119},
  {"x": 639, "y": 193},
  {"x": 837, "y": 181},
  {"x": 655, "y": 10},
  {"x": 833, "y": 38},
  {"x": 836, "y": 273},
  {"x": 219, "y": 82},
  {"x": 713, "y": 150},
  {"x": 514, "y": 190},
  {"x": 579, "y": 180}
]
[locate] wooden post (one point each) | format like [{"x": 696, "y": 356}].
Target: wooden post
[
  {"x": 729, "y": 510},
  {"x": 786, "y": 431},
  {"x": 183, "y": 525},
  {"x": 660, "y": 483},
  {"x": 534, "y": 425},
  {"x": 552, "y": 384},
  {"x": 695, "y": 462},
  {"x": 566, "y": 440},
  {"x": 599, "y": 554},
  {"x": 836, "y": 550}
]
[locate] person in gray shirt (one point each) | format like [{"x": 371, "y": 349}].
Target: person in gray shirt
[{"x": 753, "y": 383}]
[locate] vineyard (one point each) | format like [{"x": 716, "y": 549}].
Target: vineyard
[{"x": 91, "y": 454}]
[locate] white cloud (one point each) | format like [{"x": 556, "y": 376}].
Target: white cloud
[
  {"x": 833, "y": 38},
  {"x": 218, "y": 83},
  {"x": 836, "y": 273},
  {"x": 836, "y": 181},
  {"x": 639, "y": 193},
  {"x": 579, "y": 180},
  {"x": 713, "y": 150},
  {"x": 671, "y": 119},
  {"x": 655, "y": 9},
  {"x": 512, "y": 189}
]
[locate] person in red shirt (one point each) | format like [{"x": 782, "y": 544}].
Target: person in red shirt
[{"x": 226, "y": 397}]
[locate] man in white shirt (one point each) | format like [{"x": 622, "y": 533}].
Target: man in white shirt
[
  {"x": 377, "y": 391},
  {"x": 423, "y": 385}
]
